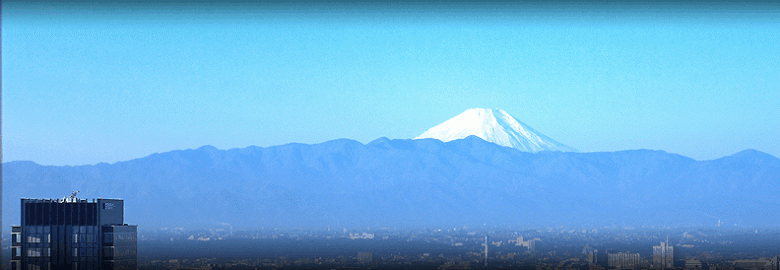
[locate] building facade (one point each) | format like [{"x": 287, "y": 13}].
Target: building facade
[
  {"x": 663, "y": 256},
  {"x": 73, "y": 233},
  {"x": 623, "y": 260}
]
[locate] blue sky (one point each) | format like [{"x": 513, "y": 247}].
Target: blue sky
[{"x": 87, "y": 84}]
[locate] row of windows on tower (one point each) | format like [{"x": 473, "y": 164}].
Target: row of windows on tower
[{"x": 61, "y": 214}]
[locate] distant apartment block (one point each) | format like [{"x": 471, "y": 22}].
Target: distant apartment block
[
  {"x": 623, "y": 260},
  {"x": 759, "y": 264},
  {"x": 530, "y": 244},
  {"x": 72, "y": 233},
  {"x": 693, "y": 264}
]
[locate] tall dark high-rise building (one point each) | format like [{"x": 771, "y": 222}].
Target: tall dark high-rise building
[{"x": 72, "y": 233}]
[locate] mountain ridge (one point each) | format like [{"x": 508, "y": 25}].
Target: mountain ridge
[
  {"x": 371, "y": 143},
  {"x": 413, "y": 183}
]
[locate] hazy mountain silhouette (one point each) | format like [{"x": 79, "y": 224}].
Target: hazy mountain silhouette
[{"x": 418, "y": 183}]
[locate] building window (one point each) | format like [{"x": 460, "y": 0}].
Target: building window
[
  {"x": 33, "y": 252},
  {"x": 33, "y": 239},
  {"x": 16, "y": 238},
  {"x": 108, "y": 238}
]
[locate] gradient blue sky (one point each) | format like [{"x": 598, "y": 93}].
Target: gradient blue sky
[{"x": 84, "y": 84}]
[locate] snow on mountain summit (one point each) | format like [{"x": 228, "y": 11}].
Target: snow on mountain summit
[{"x": 496, "y": 126}]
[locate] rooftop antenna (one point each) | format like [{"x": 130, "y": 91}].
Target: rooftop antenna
[{"x": 72, "y": 197}]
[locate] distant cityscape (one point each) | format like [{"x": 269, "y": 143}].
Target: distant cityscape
[
  {"x": 461, "y": 248},
  {"x": 73, "y": 233}
]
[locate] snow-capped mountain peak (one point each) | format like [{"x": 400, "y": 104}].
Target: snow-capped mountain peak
[{"x": 496, "y": 126}]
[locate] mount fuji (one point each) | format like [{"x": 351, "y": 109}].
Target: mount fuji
[{"x": 496, "y": 126}]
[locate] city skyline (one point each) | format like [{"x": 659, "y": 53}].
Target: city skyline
[{"x": 107, "y": 83}]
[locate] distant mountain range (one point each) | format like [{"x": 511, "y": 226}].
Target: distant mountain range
[{"x": 417, "y": 183}]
